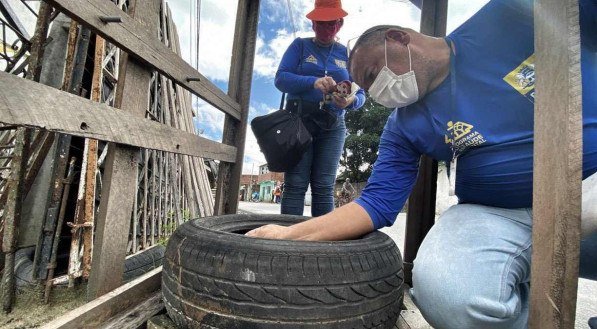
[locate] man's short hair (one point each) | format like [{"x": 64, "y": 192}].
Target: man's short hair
[{"x": 372, "y": 36}]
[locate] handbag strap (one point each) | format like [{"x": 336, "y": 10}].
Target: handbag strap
[{"x": 283, "y": 99}]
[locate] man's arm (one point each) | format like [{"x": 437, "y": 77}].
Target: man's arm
[
  {"x": 347, "y": 222},
  {"x": 394, "y": 174}
]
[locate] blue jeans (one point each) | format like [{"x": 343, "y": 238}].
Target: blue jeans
[
  {"x": 317, "y": 167},
  {"x": 473, "y": 268}
]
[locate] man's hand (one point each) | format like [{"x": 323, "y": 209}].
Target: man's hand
[
  {"x": 347, "y": 222},
  {"x": 270, "y": 231},
  {"x": 343, "y": 102},
  {"x": 325, "y": 84}
]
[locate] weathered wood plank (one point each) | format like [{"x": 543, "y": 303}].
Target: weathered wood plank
[
  {"x": 113, "y": 222},
  {"x": 120, "y": 175},
  {"x": 161, "y": 322},
  {"x": 137, "y": 316},
  {"x": 136, "y": 39},
  {"x": 94, "y": 313},
  {"x": 199, "y": 179},
  {"x": 23, "y": 102},
  {"x": 239, "y": 88},
  {"x": 556, "y": 179}
]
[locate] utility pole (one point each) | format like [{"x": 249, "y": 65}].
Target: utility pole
[{"x": 252, "y": 181}]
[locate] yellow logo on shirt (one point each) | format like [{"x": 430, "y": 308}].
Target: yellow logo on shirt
[
  {"x": 522, "y": 78},
  {"x": 311, "y": 59},
  {"x": 340, "y": 63},
  {"x": 461, "y": 136}
]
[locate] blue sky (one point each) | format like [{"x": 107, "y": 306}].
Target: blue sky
[{"x": 276, "y": 31}]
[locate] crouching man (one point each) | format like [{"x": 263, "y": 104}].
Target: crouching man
[{"x": 466, "y": 99}]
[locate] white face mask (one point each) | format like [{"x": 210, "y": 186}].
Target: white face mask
[{"x": 391, "y": 90}]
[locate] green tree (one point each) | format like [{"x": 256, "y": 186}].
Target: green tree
[{"x": 364, "y": 129}]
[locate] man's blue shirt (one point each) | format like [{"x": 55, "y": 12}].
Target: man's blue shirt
[
  {"x": 490, "y": 125},
  {"x": 304, "y": 62}
]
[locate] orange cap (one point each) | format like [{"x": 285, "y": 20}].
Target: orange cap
[{"x": 327, "y": 10}]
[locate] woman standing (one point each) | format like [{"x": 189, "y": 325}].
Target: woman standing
[{"x": 309, "y": 70}]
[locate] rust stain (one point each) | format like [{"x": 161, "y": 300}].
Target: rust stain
[{"x": 96, "y": 92}]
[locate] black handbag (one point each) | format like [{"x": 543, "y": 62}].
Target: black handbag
[
  {"x": 282, "y": 138},
  {"x": 316, "y": 117}
]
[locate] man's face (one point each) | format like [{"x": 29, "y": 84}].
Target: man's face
[{"x": 367, "y": 61}]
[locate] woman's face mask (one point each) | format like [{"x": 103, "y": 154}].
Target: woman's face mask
[
  {"x": 392, "y": 90},
  {"x": 326, "y": 31}
]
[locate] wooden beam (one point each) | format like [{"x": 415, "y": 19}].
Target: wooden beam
[
  {"x": 96, "y": 312},
  {"x": 556, "y": 179},
  {"x": 239, "y": 88},
  {"x": 141, "y": 40},
  {"x": 421, "y": 203},
  {"x": 27, "y": 103},
  {"x": 120, "y": 175},
  {"x": 137, "y": 317}
]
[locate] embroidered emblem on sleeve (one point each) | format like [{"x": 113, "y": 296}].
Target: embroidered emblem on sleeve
[{"x": 522, "y": 78}]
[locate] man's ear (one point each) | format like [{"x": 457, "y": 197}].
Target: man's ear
[{"x": 398, "y": 35}]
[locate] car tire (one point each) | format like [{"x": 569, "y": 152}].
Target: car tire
[
  {"x": 215, "y": 277},
  {"x": 142, "y": 262}
]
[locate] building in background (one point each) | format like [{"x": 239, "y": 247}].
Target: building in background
[
  {"x": 248, "y": 185},
  {"x": 267, "y": 183},
  {"x": 264, "y": 183}
]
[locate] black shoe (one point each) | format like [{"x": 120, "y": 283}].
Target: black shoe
[{"x": 593, "y": 322}]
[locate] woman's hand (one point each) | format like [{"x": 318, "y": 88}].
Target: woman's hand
[
  {"x": 270, "y": 231},
  {"x": 325, "y": 84},
  {"x": 343, "y": 102}
]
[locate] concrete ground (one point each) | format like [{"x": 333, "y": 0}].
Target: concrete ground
[{"x": 587, "y": 289}]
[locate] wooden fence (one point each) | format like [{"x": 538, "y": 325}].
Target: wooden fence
[{"x": 146, "y": 142}]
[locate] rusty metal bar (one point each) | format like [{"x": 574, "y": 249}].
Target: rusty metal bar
[
  {"x": 52, "y": 265},
  {"x": 38, "y": 41},
  {"x": 145, "y": 183},
  {"x": 12, "y": 216},
  {"x": 96, "y": 95}
]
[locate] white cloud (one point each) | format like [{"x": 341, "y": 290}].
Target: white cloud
[
  {"x": 253, "y": 156},
  {"x": 209, "y": 120},
  {"x": 216, "y": 34}
]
